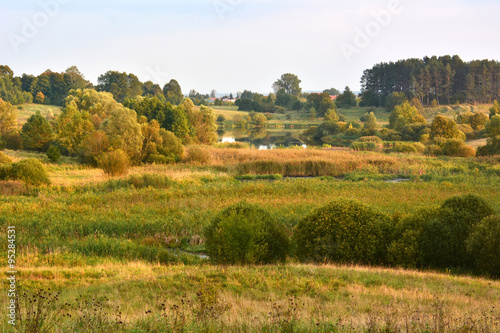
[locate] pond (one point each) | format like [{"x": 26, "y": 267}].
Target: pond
[{"x": 263, "y": 138}]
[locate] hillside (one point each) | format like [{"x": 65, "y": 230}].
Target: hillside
[
  {"x": 27, "y": 110},
  {"x": 140, "y": 297}
]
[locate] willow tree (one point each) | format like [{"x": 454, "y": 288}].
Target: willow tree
[
  {"x": 124, "y": 132},
  {"x": 8, "y": 116}
]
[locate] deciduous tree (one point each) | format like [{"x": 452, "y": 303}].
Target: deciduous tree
[
  {"x": 124, "y": 132},
  {"x": 445, "y": 127},
  {"x": 172, "y": 92},
  {"x": 37, "y": 133},
  {"x": 8, "y": 117},
  {"x": 289, "y": 82}
]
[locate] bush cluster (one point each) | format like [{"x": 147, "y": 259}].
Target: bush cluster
[
  {"x": 483, "y": 245},
  {"x": 246, "y": 234},
  {"x": 363, "y": 146},
  {"x": 408, "y": 147},
  {"x": 114, "y": 163},
  {"x": 53, "y": 153},
  {"x": 463, "y": 233},
  {"x": 30, "y": 171},
  {"x": 439, "y": 237},
  {"x": 345, "y": 231}
]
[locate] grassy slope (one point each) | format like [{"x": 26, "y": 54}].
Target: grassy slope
[
  {"x": 453, "y": 110},
  {"x": 79, "y": 241},
  {"x": 228, "y": 112},
  {"x": 27, "y": 110},
  {"x": 349, "y": 298},
  {"x": 353, "y": 114}
]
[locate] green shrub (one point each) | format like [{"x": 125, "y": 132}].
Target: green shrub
[
  {"x": 172, "y": 147},
  {"x": 4, "y": 159},
  {"x": 491, "y": 148},
  {"x": 456, "y": 148},
  {"x": 160, "y": 159},
  {"x": 245, "y": 234},
  {"x": 433, "y": 150},
  {"x": 198, "y": 155},
  {"x": 374, "y": 139},
  {"x": 440, "y": 141},
  {"x": 406, "y": 247},
  {"x": 53, "y": 153},
  {"x": 404, "y": 147},
  {"x": 363, "y": 146},
  {"x": 6, "y": 172},
  {"x": 345, "y": 231},
  {"x": 483, "y": 245},
  {"x": 390, "y": 135},
  {"x": 468, "y": 131},
  {"x": 444, "y": 238},
  {"x": 114, "y": 163},
  {"x": 327, "y": 128},
  {"x": 12, "y": 140},
  {"x": 31, "y": 171},
  {"x": 419, "y": 147}
]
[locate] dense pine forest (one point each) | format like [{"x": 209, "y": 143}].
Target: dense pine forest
[{"x": 443, "y": 80}]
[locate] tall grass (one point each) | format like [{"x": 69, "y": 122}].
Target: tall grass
[
  {"x": 318, "y": 162},
  {"x": 153, "y": 298},
  {"x": 131, "y": 239},
  {"x": 153, "y": 210}
]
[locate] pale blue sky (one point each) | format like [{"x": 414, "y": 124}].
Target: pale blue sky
[{"x": 232, "y": 45}]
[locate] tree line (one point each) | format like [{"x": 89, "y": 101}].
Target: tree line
[
  {"x": 52, "y": 88},
  {"x": 435, "y": 80},
  {"x": 288, "y": 96},
  {"x": 100, "y": 131}
]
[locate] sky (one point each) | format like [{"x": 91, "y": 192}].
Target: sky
[{"x": 233, "y": 45}]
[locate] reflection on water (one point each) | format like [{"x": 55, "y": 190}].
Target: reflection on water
[
  {"x": 227, "y": 140},
  {"x": 263, "y": 139}
]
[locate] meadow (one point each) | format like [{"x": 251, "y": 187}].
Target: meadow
[
  {"x": 126, "y": 254},
  {"x": 27, "y": 110}
]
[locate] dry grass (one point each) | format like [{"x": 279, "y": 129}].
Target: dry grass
[
  {"x": 27, "y": 110},
  {"x": 221, "y": 157},
  {"x": 453, "y": 110},
  {"x": 177, "y": 172},
  {"x": 12, "y": 188},
  {"x": 351, "y": 296},
  {"x": 302, "y": 162},
  {"x": 228, "y": 114},
  {"x": 477, "y": 143},
  {"x": 76, "y": 175}
]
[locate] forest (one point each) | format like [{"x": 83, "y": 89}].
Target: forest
[{"x": 438, "y": 80}]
